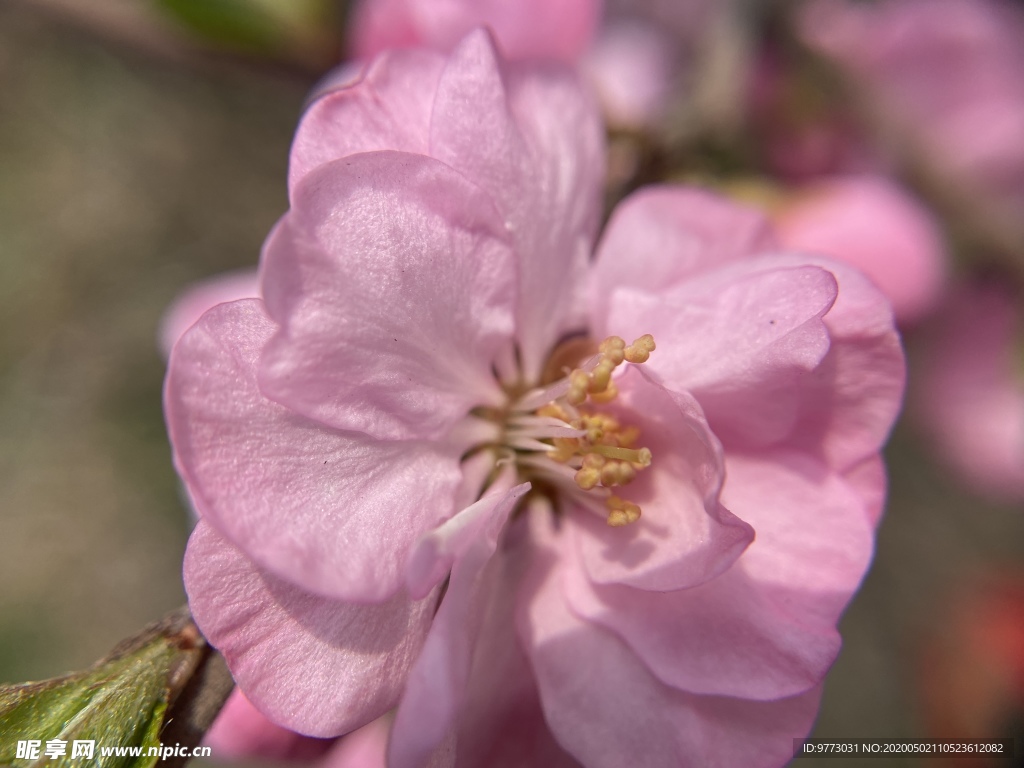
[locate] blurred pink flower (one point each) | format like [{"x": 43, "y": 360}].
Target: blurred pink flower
[
  {"x": 405, "y": 500},
  {"x": 876, "y": 226},
  {"x": 632, "y": 51},
  {"x": 363, "y": 748},
  {"x": 971, "y": 390},
  {"x": 242, "y": 731},
  {"x": 948, "y": 72},
  {"x": 631, "y": 66},
  {"x": 526, "y": 29},
  {"x": 800, "y": 135}
]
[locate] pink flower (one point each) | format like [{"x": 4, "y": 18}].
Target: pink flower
[
  {"x": 948, "y": 72},
  {"x": 632, "y": 53},
  {"x": 874, "y": 225},
  {"x": 407, "y": 501},
  {"x": 527, "y": 29},
  {"x": 971, "y": 392}
]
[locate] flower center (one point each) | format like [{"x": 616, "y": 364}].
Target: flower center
[{"x": 559, "y": 437}]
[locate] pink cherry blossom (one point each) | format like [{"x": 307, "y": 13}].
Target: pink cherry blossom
[
  {"x": 875, "y": 225},
  {"x": 971, "y": 391},
  {"x": 413, "y": 470},
  {"x": 537, "y": 29},
  {"x": 948, "y": 73},
  {"x": 633, "y": 52}
]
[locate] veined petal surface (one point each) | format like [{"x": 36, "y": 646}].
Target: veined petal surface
[
  {"x": 332, "y": 512},
  {"x": 684, "y": 536},
  {"x": 395, "y": 290},
  {"x": 532, "y": 139},
  {"x": 316, "y": 665}
]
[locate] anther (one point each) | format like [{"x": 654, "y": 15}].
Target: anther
[
  {"x": 608, "y": 394},
  {"x": 621, "y": 512},
  {"x": 640, "y": 350},
  {"x": 554, "y": 411},
  {"x": 584, "y": 444},
  {"x": 587, "y": 478},
  {"x": 617, "y": 473},
  {"x": 613, "y": 348},
  {"x": 579, "y": 382}
]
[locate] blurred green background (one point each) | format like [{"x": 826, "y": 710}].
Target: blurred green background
[{"x": 127, "y": 173}]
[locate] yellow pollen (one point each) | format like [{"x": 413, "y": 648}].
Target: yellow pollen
[
  {"x": 579, "y": 383},
  {"x": 614, "y": 348},
  {"x": 628, "y": 436},
  {"x": 608, "y": 394},
  {"x": 554, "y": 411},
  {"x": 587, "y": 478},
  {"x": 621, "y": 512},
  {"x": 605, "y": 454},
  {"x": 617, "y": 473},
  {"x": 641, "y": 349}
]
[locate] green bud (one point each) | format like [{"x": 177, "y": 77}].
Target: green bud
[{"x": 121, "y": 701}]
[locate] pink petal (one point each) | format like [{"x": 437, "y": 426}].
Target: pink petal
[
  {"x": 814, "y": 540},
  {"x": 871, "y": 482},
  {"x": 502, "y": 725},
  {"x": 527, "y": 29},
  {"x": 315, "y": 665},
  {"x": 387, "y": 108},
  {"x": 661, "y": 236},
  {"x": 848, "y": 405},
  {"x": 433, "y": 556},
  {"x": 872, "y": 224},
  {"x": 608, "y": 710},
  {"x": 741, "y": 339},
  {"x": 766, "y": 628},
  {"x": 345, "y": 75},
  {"x": 332, "y": 512},
  {"x": 190, "y": 306},
  {"x": 395, "y": 290},
  {"x": 533, "y": 141},
  {"x": 364, "y": 748},
  {"x": 684, "y": 536},
  {"x": 436, "y": 690},
  {"x": 242, "y": 731}
]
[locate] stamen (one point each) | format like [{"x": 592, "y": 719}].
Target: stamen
[
  {"x": 557, "y": 433},
  {"x": 621, "y": 512},
  {"x": 617, "y": 473},
  {"x": 614, "y": 348},
  {"x": 587, "y": 478},
  {"x": 640, "y": 350},
  {"x": 579, "y": 383}
]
